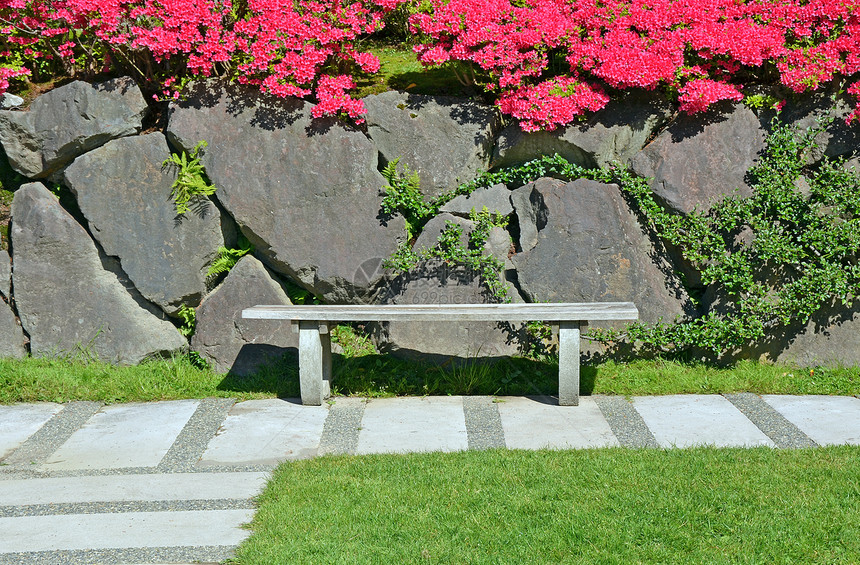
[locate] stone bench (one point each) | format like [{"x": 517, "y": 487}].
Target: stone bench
[{"x": 314, "y": 321}]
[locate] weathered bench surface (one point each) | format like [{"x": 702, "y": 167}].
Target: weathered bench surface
[
  {"x": 315, "y": 341},
  {"x": 567, "y": 312}
]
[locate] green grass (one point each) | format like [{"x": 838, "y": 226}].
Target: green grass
[
  {"x": 360, "y": 371},
  {"x": 620, "y": 506},
  {"x": 400, "y": 70},
  {"x": 64, "y": 380},
  {"x": 650, "y": 377}
]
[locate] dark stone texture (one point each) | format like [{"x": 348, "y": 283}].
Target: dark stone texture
[
  {"x": 66, "y": 297},
  {"x": 5, "y": 274},
  {"x": 615, "y": 133},
  {"x": 437, "y": 283},
  {"x": 69, "y": 121},
  {"x": 530, "y": 210},
  {"x": 496, "y": 198},
  {"x": 124, "y": 192},
  {"x": 231, "y": 343},
  {"x": 11, "y": 336},
  {"x": 591, "y": 248},
  {"x": 831, "y": 338},
  {"x": 446, "y": 140},
  {"x": 305, "y": 192},
  {"x": 701, "y": 159}
]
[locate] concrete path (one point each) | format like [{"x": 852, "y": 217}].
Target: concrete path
[{"x": 173, "y": 482}]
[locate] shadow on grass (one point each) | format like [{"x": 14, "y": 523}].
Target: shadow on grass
[
  {"x": 278, "y": 376},
  {"x": 378, "y": 375}
]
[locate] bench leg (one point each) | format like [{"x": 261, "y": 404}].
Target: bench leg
[
  {"x": 314, "y": 362},
  {"x": 568, "y": 364}
]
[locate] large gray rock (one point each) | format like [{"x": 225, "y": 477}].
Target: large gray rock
[
  {"x": 124, "y": 192},
  {"x": 5, "y": 274},
  {"x": 231, "y": 343},
  {"x": 615, "y": 133},
  {"x": 448, "y": 141},
  {"x": 496, "y": 199},
  {"x": 831, "y": 338},
  {"x": 530, "y": 210},
  {"x": 65, "y": 296},
  {"x": 438, "y": 283},
  {"x": 590, "y": 248},
  {"x": 699, "y": 160},
  {"x": 305, "y": 192},
  {"x": 69, "y": 121},
  {"x": 11, "y": 335}
]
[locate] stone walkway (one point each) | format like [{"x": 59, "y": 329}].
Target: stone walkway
[{"x": 172, "y": 482}]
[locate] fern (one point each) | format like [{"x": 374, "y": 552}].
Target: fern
[
  {"x": 189, "y": 320},
  {"x": 191, "y": 183},
  {"x": 227, "y": 258}
]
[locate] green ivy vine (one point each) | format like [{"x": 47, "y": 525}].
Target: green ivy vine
[
  {"x": 776, "y": 257},
  {"x": 403, "y": 195}
]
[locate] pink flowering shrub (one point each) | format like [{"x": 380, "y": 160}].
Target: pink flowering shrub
[
  {"x": 546, "y": 62},
  {"x": 288, "y": 48},
  {"x": 551, "y": 60}
]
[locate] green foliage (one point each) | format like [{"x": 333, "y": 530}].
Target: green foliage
[
  {"x": 779, "y": 255},
  {"x": 300, "y": 295},
  {"x": 403, "y": 196},
  {"x": 227, "y": 258},
  {"x": 761, "y": 101},
  {"x": 397, "y": 26},
  {"x": 188, "y": 316},
  {"x": 191, "y": 185},
  {"x": 450, "y": 249},
  {"x": 352, "y": 342},
  {"x": 198, "y": 362}
]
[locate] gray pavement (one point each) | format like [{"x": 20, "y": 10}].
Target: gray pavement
[{"x": 174, "y": 482}]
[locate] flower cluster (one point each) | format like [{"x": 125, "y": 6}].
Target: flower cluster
[
  {"x": 549, "y": 60},
  {"x": 545, "y": 61},
  {"x": 285, "y": 47}
]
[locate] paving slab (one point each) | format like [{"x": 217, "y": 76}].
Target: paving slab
[
  {"x": 400, "y": 425},
  {"x": 124, "y": 435},
  {"x": 18, "y": 422},
  {"x": 539, "y": 423},
  {"x": 126, "y": 530},
  {"x": 828, "y": 420},
  {"x": 340, "y": 433},
  {"x": 698, "y": 419},
  {"x": 265, "y": 432},
  {"x": 150, "y": 487}
]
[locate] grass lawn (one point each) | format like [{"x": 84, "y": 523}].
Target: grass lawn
[
  {"x": 362, "y": 372},
  {"x": 64, "y": 380},
  {"x": 590, "y": 506}
]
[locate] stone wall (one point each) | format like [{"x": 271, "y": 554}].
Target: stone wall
[{"x": 108, "y": 266}]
